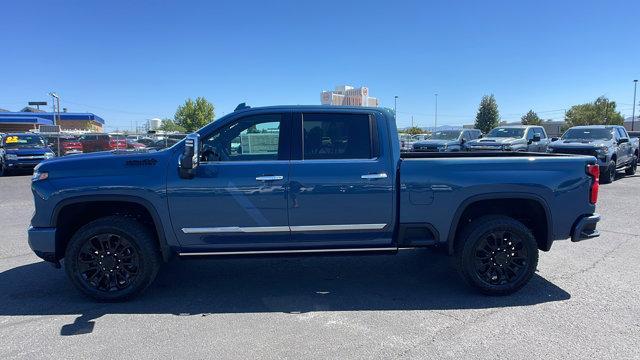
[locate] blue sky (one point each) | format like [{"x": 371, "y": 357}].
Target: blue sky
[{"x": 128, "y": 61}]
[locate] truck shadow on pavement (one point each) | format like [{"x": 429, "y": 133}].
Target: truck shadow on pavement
[{"x": 412, "y": 280}]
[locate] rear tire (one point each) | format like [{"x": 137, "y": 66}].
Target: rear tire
[
  {"x": 112, "y": 258},
  {"x": 497, "y": 255},
  {"x": 610, "y": 174},
  {"x": 631, "y": 170}
]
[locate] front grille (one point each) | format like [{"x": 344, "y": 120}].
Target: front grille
[
  {"x": 31, "y": 157},
  {"x": 589, "y": 152}
]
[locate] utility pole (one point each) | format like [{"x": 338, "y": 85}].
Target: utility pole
[
  {"x": 56, "y": 104},
  {"x": 435, "y": 128},
  {"x": 395, "y": 107},
  {"x": 412, "y": 121},
  {"x": 633, "y": 117}
]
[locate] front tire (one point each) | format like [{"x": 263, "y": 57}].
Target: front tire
[
  {"x": 497, "y": 255},
  {"x": 112, "y": 258}
]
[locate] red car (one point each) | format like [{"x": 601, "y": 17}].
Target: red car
[
  {"x": 134, "y": 145},
  {"x": 68, "y": 145},
  {"x": 102, "y": 142},
  {"x": 71, "y": 146}
]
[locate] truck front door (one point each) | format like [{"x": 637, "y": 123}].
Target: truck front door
[
  {"x": 341, "y": 181},
  {"x": 238, "y": 197}
]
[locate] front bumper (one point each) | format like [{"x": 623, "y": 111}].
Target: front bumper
[
  {"x": 586, "y": 228},
  {"x": 43, "y": 242},
  {"x": 22, "y": 164}
]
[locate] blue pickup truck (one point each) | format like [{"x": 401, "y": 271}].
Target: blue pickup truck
[
  {"x": 22, "y": 151},
  {"x": 305, "y": 180}
]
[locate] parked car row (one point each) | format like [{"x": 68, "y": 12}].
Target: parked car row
[
  {"x": 23, "y": 151},
  {"x": 612, "y": 145}
]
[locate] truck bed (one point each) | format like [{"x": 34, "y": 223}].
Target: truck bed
[
  {"x": 474, "y": 154},
  {"x": 436, "y": 186}
]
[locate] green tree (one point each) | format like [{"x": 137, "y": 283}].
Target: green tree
[
  {"x": 169, "y": 125},
  {"x": 413, "y": 130},
  {"x": 194, "y": 114},
  {"x": 488, "y": 116},
  {"x": 600, "y": 112},
  {"x": 531, "y": 118}
]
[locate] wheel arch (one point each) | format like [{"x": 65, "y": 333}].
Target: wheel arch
[
  {"x": 491, "y": 202},
  {"x": 102, "y": 204}
]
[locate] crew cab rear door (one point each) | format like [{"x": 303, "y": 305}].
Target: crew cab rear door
[{"x": 341, "y": 181}]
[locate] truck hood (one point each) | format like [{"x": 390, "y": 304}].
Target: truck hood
[
  {"x": 105, "y": 164},
  {"x": 495, "y": 141},
  {"x": 579, "y": 144},
  {"x": 26, "y": 151}
]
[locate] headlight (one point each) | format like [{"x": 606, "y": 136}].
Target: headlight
[
  {"x": 603, "y": 150},
  {"x": 442, "y": 148},
  {"x": 49, "y": 155},
  {"x": 549, "y": 149},
  {"x": 11, "y": 157},
  {"x": 39, "y": 175},
  {"x": 506, "y": 147}
]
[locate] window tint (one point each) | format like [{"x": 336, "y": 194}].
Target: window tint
[
  {"x": 336, "y": 136},
  {"x": 530, "y": 133},
  {"x": 249, "y": 139},
  {"x": 540, "y": 132},
  {"x": 621, "y": 133}
]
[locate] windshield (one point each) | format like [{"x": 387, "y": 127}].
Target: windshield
[
  {"x": 506, "y": 132},
  {"x": 23, "y": 141},
  {"x": 588, "y": 134},
  {"x": 445, "y": 135}
]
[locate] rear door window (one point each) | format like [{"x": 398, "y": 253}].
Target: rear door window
[{"x": 337, "y": 136}]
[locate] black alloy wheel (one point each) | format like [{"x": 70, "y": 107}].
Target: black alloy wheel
[
  {"x": 112, "y": 258},
  {"x": 501, "y": 258},
  {"x": 496, "y": 254},
  {"x": 108, "y": 262}
]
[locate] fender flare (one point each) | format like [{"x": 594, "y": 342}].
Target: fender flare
[
  {"x": 499, "y": 196},
  {"x": 157, "y": 221}
]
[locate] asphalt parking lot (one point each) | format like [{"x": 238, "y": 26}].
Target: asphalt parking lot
[{"x": 584, "y": 302}]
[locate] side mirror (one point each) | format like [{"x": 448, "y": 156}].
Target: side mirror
[
  {"x": 623, "y": 140},
  {"x": 480, "y": 136},
  {"x": 190, "y": 158},
  {"x": 554, "y": 139},
  {"x": 462, "y": 141}
]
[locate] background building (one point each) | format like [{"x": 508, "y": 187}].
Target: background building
[
  {"x": 347, "y": 95},
  {"x": 33, "y": 118}
]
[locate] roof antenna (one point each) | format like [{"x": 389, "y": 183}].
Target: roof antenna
[{"x": 242, "y": 106}]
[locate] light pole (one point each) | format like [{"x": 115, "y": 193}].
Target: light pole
[
  {"x": 56, "y": 104},
  {"x": 435, "y": 128},
  {"x": 633, "y": 112},
  {"x": 395, "y": 107}
]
